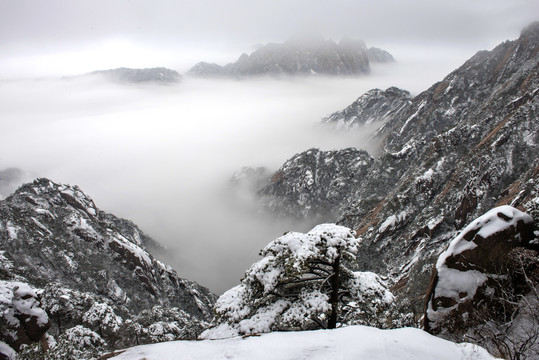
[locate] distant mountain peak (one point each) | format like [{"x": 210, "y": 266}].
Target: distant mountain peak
[
  {"x": 301, "y": 55},
  {"x": 148, "y": 75}
]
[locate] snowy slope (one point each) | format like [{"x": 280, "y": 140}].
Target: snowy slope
[{"x": 353, "y": 342}]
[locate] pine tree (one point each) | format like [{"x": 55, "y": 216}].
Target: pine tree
[{"x": 302, "y": 282}]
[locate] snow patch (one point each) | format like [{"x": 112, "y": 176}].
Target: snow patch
[
  {"x": 12, "y": 231},
  {"x": 494, "y": 221},
  {"x": 347, "y": 343}
]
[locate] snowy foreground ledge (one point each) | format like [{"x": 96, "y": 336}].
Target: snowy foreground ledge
[{"x": 353, "y": 342}]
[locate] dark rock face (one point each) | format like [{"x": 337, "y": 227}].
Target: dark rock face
[
  {"x": 467, "y": 144},
  {"x": 298, "y": 57},
  {"x": 462, "y": 272},
  {"x": 375, "y": 106},
  {"x": 54, "y": 238},
  {"x": 153, "y": 75},
  {"x": 315, "y": 183}
]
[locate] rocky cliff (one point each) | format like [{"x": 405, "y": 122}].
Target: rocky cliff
[
  {"x": 90, "y": 269},
  {"x": 463, "y": 146}
]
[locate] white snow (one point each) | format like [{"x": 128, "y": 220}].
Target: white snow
[
  {"x": 421, "y": 106},
  {"x": 369, "y": 283},
  {"x": 462, "y": 285},
  {"x": 41, "y": 226},
  {"x": 6, "y": 350},
  {"x": 133, "y": 248},
  {"x": 410, "y": 145},
  {"x": 81, "y": 337},
  {"x": 393, "y": 220},
  {"x": 353, "y": 342},
  {"x": 452, "y": 282},
  {"x": 103, "y": 315},
  {"x": 5, "y": 263},
  {"x": 309, "y": 179},
  {"x": 12, "y": 231},
  {"x": 434, "y": 222},
  {"x": 25, "y": 302},
  {"x": 45, "y": 212},
  {"x": 489, "y": 224},
  {"x": 426, "y": 176},
  {"x": 388, "y": 223}
]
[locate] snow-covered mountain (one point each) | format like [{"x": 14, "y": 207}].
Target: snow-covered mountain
[
  {"x": 467, "y": 144},
  {"x": 84, "y": 281},
  {"x": 91, "y": 272},
  {"x": 313, "y": 55}
]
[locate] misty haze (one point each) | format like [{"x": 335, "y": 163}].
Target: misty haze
[{"x": 163, "y": 155}]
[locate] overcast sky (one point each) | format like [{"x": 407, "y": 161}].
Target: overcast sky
[{"x": 114, "y": 31}]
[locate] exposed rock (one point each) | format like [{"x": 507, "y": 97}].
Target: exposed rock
[
  {"x": 460, "y": 278},
  {"x": 375, "y": 106},
  {"x": 154, "y": 75},
  {"x": 479, "y": 282},
  {"x": 315, "y": 183},
  {"x": 298, "y": 57},
  {"x": 23, "y": 319},
  {"x": 6, "y": 352}
]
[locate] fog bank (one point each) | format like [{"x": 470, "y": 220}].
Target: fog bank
[{"x": 162, "y": 156}]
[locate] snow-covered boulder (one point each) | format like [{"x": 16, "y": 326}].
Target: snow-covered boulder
[
  {"x": 482, "y": 276},
  {"x": 21, "y": 315}
]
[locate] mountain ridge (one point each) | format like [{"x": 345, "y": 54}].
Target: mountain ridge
[
  {"x": 466, "y": 144},
  {"x": 299, "y": 57},
  {"x": 54, "y": 238}
]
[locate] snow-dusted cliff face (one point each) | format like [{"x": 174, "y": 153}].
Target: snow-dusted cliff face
[
  {"x": 465, "y": 145},
  {"x": 374, "y": 107},
  {"x": 315, "y": 184},
  {"x": 55, "y": 239},
  {"x": 300, "y": 57}
]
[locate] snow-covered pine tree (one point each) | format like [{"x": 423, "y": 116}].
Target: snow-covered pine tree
[{"x": 303, "y": 281}]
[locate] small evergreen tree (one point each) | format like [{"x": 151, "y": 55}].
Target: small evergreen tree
[{"x": 301, "y": 283}]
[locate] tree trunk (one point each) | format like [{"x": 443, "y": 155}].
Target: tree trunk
[{"x": 334, "y": 295}]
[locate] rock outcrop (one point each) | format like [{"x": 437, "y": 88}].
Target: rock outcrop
[
  {"x": 315, "y": 184},
  {"x": 374, "y": 107},
  {"x": 460, "y": 279},
  {"x": 479, "y": 282}
]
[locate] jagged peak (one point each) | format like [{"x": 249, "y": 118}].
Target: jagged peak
[
  {"x": 43, "y": 191},
  {"x": 531, "y": 31}
]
